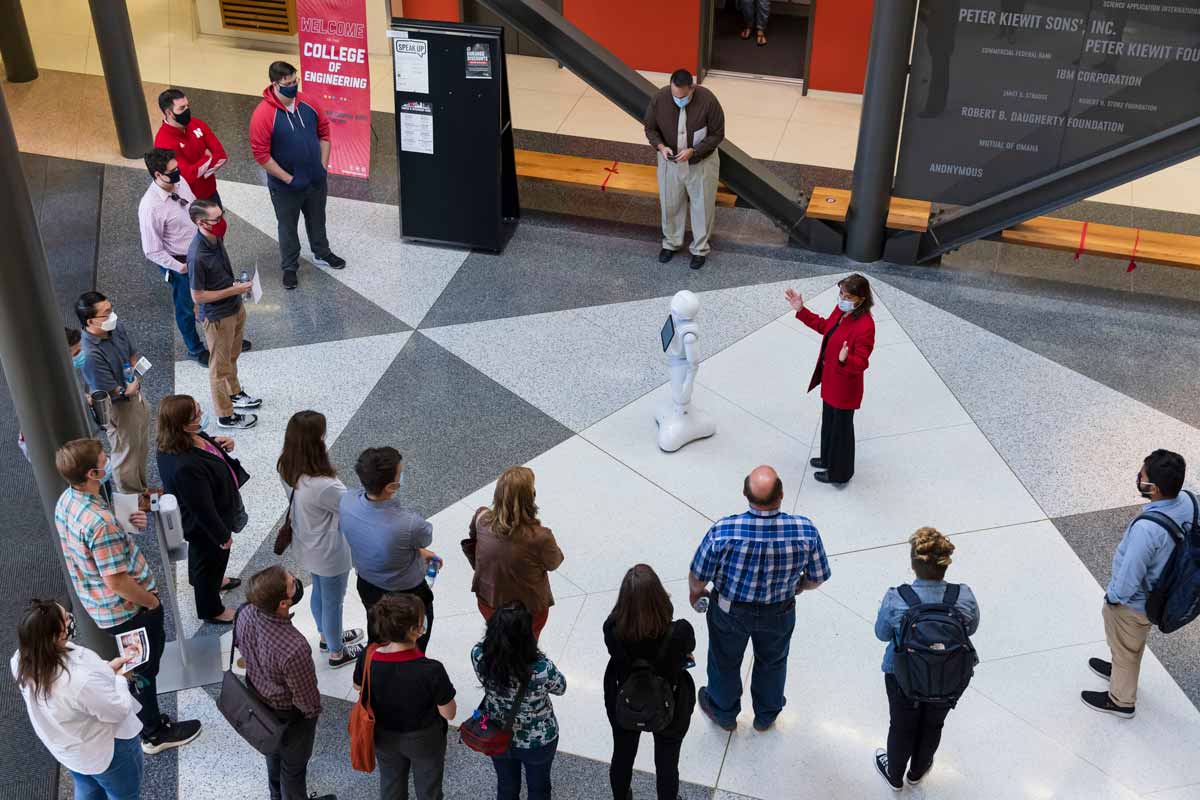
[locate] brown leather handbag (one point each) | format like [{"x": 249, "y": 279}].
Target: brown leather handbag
[
  {"x": 283, "y": 539},
  {"x": 362, "y": 723}
]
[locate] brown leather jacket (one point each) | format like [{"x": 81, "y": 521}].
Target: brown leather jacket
[{"x": 514, "y": 567}]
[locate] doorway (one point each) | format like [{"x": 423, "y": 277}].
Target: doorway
[{"x": 784, "y": 56}]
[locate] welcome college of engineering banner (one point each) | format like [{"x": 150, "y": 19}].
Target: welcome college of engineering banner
[{"x": 335, "y": 71}]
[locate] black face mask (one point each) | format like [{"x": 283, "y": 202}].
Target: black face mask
[
  {"x": 1142, "y": 491},
  {"x": 71, "y": 630},
  {"x": 297, "y": 595},
  {"x": 173, "y": 176},
  {"x": 183, "y": 117}
]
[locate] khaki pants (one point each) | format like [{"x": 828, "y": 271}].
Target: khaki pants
[
  {"x": 681, "y": 186},
  {"x": 128, "y": 434},
  {"x": 1126, "y": 631},
  {"x": 224, "y": 340}
]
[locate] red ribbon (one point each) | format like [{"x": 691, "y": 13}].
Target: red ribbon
[
  {"x": 611, "y": 171},
  {"x": 1082, "y": 239},
  {"x": 1136, "y": 241}
]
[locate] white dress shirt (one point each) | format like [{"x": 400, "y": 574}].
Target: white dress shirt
[
  {"x": 89, "y": 707},
  {"x": 167, "y": 230}
]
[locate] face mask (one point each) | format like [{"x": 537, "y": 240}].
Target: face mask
[
  {"x": 110, "y": 323},
  {"x": 298, "y": 595},
  {"x": 1143, "y": 492},
  {"x": 172, "y": 176},
  {"x": 183, "y": 117},
  {"x": 71, "y": 629},
  {"x": 846, "y": 306},
  {"x": 219, "y": 229},
  {"x": 108, "y": 468},
  {"x": 289, "y": 91},
  {"x": 682, "y": 101},
  {"x": 77, "y": 361},
  {"x": 205, "y": 421}
]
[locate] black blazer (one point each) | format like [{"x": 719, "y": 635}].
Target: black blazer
[
  {"x": 673, "y": 667},
  {"x": 209, "y": 500}
]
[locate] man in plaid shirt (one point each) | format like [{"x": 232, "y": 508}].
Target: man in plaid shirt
[
  {"x": 757, "y": 562},
  {"x": 280, "y": 670},
  {"x": 113, "y": 581}
]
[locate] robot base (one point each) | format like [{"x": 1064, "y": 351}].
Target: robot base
[{"x": 676, "y": 429}]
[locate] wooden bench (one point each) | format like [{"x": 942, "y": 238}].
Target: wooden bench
[
  {"x": 1110, "y": 241},
  {"x": 607, "y": 176},
  {"x": 903, "y": 214}
]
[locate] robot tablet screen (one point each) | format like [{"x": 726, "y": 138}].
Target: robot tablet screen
[{"x": 667, "y": 333}]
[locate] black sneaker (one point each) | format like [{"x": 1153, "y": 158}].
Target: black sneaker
[
  {"x": 1101, "y": 667},
  {"x": 200, "y": 358},
  {"x": 315, "y": 796},
  {"x": 697, "y": 262},
  {"x": 665, "y": 255},
  {"x": 881, "y": 766},
  {"x": 238, "y": 421},
  {"x": 330, "y": 260},
  {"x": 243, "y": 400},
  {"x": 171, "y": 734},
  {"x": 1100, "y": 701},
  {"x": 349, "y": 637},
  {"x": 913, "y": 778},
  {"x": 350, "y": 654},
  {"x": 290, "y": 279},
  {"x": 246, "y": 345},
  {"x": 816, "y": 462}
]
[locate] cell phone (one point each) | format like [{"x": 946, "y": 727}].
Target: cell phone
[{"x": 245, "y": 276}]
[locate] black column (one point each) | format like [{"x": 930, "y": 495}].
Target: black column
[
  {"x": 36, "y": 364},
  {"x": 15, "y": 47},
  {"x": 118, "y": 55},
  {"x": 879, "y": 128}
]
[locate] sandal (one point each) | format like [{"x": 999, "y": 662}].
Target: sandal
[
  {"x": 762, "y": 38},
  {"x": 745, "y": 34}
]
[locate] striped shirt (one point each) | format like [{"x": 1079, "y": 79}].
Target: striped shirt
[
  {"x": 760, "y": 556},
  {"x": 94, "y": 547}
]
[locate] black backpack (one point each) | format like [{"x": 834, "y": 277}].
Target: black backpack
[
  {"x": 934, "y": 656},
  {"x": 1175, "y": 600},
  {"x": 646, "y": 700}
]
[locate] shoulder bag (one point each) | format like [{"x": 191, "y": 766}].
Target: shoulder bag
[
  {"x": 482, "y": 734},
  {"x": 254, "y": 720},
  {"x": 362, "y": 722},
  {"x": 283, "y": 539}
]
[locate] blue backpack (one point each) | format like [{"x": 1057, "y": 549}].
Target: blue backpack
[{"x": 1175, "y": 599}]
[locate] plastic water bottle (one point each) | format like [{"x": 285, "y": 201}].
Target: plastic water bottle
[
  {"x": 701, "y": 606},
  {"x": 245, "y": 276},
  {"x": 431, "y": 573},
  {"x": 128, "y": 369}
]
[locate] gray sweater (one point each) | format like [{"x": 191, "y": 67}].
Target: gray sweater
[{"x": 319, "y": 545}]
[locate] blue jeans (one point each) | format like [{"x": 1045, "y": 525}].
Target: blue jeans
[
  {"x": 327, "y": 596},
  {"x": 121, "y": 781},
  {"x": 537, "y": 761},
  {"x": 770, "y": 628},
  {"x": 185, "y": 312},
  {"x": 755, "y": 13}
]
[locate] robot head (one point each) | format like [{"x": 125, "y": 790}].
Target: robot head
[{"x": 685, "y": 305}]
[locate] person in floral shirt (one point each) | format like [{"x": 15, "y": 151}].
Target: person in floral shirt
[{"x": 506, "y": 656}]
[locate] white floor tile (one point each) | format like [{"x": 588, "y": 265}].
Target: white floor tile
[
  {"x": 541, "y": 75},
  {"x": 539, "y": 110},
  {"x": 740, "y": 97},
  {"x": 597, "y": 118},
  {"x": 811, "y": 143},
  {"x": 759, "y": 136}
]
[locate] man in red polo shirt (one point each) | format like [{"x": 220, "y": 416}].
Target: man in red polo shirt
[{"x": 196, "y": 147}]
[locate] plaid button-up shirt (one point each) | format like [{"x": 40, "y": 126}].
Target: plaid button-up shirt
[
  {"x": 278, "y": 661},
  {"x": 760, "y": 556},
  {"x": 94, "y": 547}
]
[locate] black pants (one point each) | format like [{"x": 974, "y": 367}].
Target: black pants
[
  {"x": 421, "y": 753},
  {"x": 369, "y": 593},
  {"x": 288, "y": 206},
  {"x": 914, "y": 733},
  {"x": 144, "y": 685},
  {"x": 666, "y": 763},
  {"x": 837, "y": 442},
  {"x": 287, "y": 767},
  {"x": 206, "y": 570}
]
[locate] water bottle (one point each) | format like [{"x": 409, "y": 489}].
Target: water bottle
[
  {"x": 431, "y": 572},
  {"x": 128, "y": 368},
  {"x": 245, "y": 276},
  {"x": 701, "y": 606}
]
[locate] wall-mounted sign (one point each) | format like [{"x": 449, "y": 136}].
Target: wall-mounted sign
[{"x": 1005, "y": 91}]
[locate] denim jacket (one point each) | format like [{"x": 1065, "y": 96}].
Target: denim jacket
[{"x": 891, "y": 612}]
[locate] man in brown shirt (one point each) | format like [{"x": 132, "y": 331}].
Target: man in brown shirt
[{"x": 685, "y": 123}]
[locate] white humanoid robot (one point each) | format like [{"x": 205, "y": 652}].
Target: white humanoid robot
[{"x": 678, "y": 422}]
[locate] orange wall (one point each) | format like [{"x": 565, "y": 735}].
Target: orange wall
[
  {"x": 841, "y": 40},
  {"x": 658, "y": 35},
  {"x": 442, "y": 10}
]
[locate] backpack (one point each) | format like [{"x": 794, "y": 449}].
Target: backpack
[
  {"x": 646, "y": 700},
  {"x": 1175, "y": 600},
  {"x": 934, "y": 658}
]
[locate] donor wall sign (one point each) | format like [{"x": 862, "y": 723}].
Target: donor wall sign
[
  {"x": 1004, "y": 91},
  {"x": 335, "y": 72}
]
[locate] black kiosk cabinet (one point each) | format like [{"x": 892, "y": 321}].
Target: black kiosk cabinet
[{"x": 454, "y": 137}]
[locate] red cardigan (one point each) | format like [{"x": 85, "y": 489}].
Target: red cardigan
[{"x": 841, "y": 384}]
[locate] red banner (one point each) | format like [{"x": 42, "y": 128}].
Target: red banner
[{"x": 335, "y": 71}]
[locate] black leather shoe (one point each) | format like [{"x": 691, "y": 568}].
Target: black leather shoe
[
  {"x": 697, "y": 262},
  {"x": 817, "y": 463},
  {"x": 665, "y": 255},
  {"x": 290, "y": 280},
  {"x": 823, "y": 477}
]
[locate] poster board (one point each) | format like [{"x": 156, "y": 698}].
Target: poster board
[{"x": 454, "y": 137}]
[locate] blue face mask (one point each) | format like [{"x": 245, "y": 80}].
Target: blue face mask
[
  {"x": 77, "y": 361},
  {"x": 289, "y": 91},
  {"x": 846, "y": 306},
  {"x": 205, "y": 421},
  {"x": 682, "y": 101},
  {"x": 108, "y": 468}
]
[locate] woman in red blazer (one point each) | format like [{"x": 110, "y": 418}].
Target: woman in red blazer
[{"x": 848, "y": 339}]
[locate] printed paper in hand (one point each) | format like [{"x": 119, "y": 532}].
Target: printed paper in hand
[
  {"x": 123, "y": 507},
  {"x": 256, "y": 286},
  {"x": 134, "y": 643}
]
